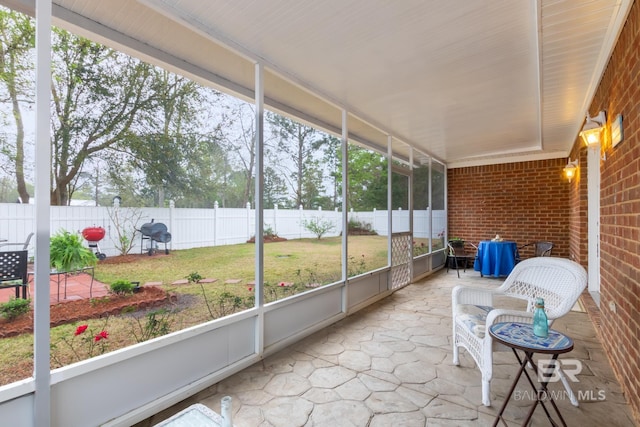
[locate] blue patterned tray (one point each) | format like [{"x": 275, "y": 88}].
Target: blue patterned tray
[{"x": 521, "y": 335}]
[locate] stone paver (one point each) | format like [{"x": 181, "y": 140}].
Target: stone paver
[
  {"x": 341, "y": 413},
  {"x": 391, "y": 364}
]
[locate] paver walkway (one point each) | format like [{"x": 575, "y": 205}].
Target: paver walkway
[{"x": 390, "y": 365}]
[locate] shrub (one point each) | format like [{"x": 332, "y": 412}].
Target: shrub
[
  {"x": 156, "y": 324},
  {"x": 223, "y": 303},
  {"x": 268, "y": 232},
  {"x": 360, "y": 227},
  {"x": 122, "y": 287},
  {"x": 420, "y": 248},
  {"x": 318, "y": 226},
  {"x": 194, "y": 277},
  {"x": 14, "y": 308},
  {"x": 126, "y": 227},
  {"x": 355, "y": 266},
  {"x": 83, "y": 344}
]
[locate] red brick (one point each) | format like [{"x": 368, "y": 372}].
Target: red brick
[{"x": 528, "y": 201}]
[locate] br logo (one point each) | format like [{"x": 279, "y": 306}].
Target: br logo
[{"x": 548, "y": 370}]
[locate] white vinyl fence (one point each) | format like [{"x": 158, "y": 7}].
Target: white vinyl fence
[{"x": 191, "y": 228}]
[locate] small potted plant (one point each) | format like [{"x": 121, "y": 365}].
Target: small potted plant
[{"x": 67, "y": 252}]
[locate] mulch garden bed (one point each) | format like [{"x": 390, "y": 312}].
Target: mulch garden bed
[
  {"x": 268, "y": 239},
  {"x": 75, "y": 311}
]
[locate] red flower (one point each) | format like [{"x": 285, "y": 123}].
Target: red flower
[
  {"x": 101, "y": 335},
  {"x": 81, "y": 329},
  {"x": 250, "y": 289},
  {"x": 281, "y": 283}
]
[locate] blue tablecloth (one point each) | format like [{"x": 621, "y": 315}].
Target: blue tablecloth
[{"x": 495, "y": 258}]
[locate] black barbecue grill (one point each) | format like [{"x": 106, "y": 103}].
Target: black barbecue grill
[{"x": 154, "y": 233}]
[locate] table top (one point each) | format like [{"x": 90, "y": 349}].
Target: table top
[
  {"x": 196, "y": 415},
  {"x": 520, "y": 336},
  {"x": 497, "y": 241}
]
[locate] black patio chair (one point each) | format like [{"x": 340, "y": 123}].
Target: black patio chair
[
  {"x": 458, "y": 255},
  {"x": 13, "y": 271},
  {"x": 25, "y": 244},
  {"x": 539, "y": 249}
]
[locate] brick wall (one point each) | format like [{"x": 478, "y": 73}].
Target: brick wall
[
  {"x": 619, "y": 93},
  {"x": 578, "y": 209},
  {"x": 530, "y": 201},
  {"x": 524, "y": 201}
]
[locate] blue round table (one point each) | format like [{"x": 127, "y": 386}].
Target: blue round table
[{"x": 496, "y": 258}]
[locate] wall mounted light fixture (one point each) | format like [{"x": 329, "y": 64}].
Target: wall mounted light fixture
[
  {"x": 592, "y": 130},
  {"x": 571, "y": 169}
]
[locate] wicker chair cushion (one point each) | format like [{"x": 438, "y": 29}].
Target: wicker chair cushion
[{"x": 474, "y": 318}]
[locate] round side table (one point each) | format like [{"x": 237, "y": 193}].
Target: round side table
[{"x": 520, "y": 336}]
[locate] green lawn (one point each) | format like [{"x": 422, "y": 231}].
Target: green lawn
[
  {"x": 288, "y": 261},
  {"x": 289, "y": 267}
]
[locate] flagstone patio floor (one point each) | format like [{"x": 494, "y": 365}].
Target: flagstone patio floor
[{"x": 390, "y": 365}]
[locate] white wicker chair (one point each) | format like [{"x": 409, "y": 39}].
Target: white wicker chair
[{"x": 559, "y": 281}]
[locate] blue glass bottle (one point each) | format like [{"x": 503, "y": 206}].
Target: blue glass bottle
[{"x": 540, "y": 321}]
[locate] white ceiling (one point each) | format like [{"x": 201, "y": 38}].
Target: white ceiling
[{"x": 469, "y": 82}]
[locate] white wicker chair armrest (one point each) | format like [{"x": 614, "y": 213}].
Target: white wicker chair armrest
[
  {"x": 471, "y": 295},
  {"x": 500, "y": 315}
]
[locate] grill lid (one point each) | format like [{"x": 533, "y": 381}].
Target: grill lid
[
  {"x": 151, "y": 228},
  {"x": 156, "y": 231}
]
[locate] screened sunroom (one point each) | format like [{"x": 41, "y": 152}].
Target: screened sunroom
[{"x": 417, "y": 96}]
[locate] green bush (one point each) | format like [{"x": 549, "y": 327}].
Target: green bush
[
  {"x": 194, "y": 277},
  {"x": 156, "y": 324},
  {"x": 14, "y": 308},
  {"x": 358, "y": 227},
  {"x": 122, "y": 287},
  {"x": 268, "y": 232},
  {"x": 318, "y": 226}
]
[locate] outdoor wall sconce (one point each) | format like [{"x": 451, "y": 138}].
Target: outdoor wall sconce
[
  {"x": 570, "y": 169},
  {"x": 592, "y": 130}
]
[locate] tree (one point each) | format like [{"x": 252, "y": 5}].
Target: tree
[
  {"x": 17, "y": 38},
  {"x": 97, "y": 95},
  {"x": 125, "y": 182},
  {"x": 179, "y": 146},
  {"x": 298, "y": 145},
  {"x": 367, "y": 179},
  {"x": 241, "y": 141},
  {"x": 275, "y": 189},
  {"x": 158, "y": 148},
  {"x": 332, "y": 160},
  {"x": 8, "y": 192},
  {"x": 312, "y": 185},
  {"x": 206, "y": 173},
  {"x": 421, "y": 187}
]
